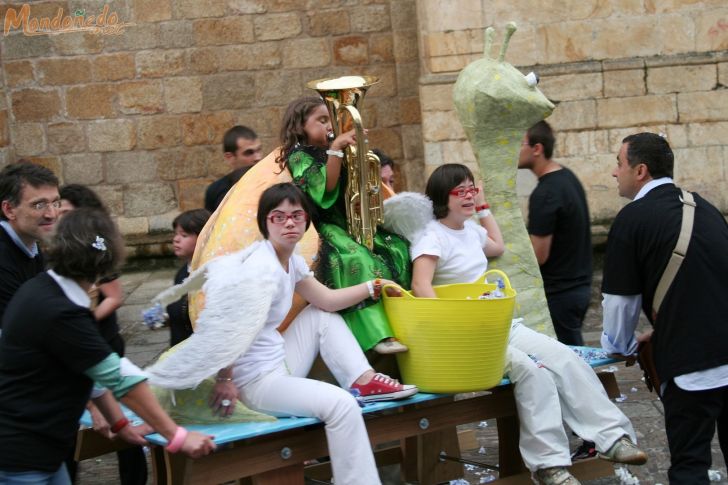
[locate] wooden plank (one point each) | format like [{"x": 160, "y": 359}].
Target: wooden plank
[
  {"x": 609, "y": 382},
  {"x": 430, "y": 469},
  {"x": 290, "y": 475},
  {"x": 90, "y": 444}
]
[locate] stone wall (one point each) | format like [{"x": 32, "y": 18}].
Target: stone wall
[
  {"x": 140, "y": 116},
  {"x": 612, "y": 68}
]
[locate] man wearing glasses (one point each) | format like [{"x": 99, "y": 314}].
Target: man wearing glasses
[
  {"x": 242, "y": 149},
  {"x": 30, "y": 203}
]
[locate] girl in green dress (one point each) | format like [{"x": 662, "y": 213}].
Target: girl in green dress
[{"x": 316, "y": 167}]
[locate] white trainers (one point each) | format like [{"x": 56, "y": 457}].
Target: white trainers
[
  {"x": 557, "y": 475},
  {"x": 390, "y": 347}
]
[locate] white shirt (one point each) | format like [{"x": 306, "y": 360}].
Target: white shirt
[
  {"x": 460, "y": 252},
  {"x": 267, "y": 351},
  {"x": 621, "y": 314}
]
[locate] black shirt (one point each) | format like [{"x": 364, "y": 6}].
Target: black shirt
[
  {"x": 217, "y": 190},
  {"x": 180, "y": 326},
  {"x": 558, "y": 206},
  {"x": 691, "y": 329},
  {"x": 44, "y": 350},
  {"x": 16, "y": 267}
]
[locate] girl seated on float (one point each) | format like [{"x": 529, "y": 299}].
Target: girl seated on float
[
  {"x": 550, "y": 380},
  {"x": 251, "y": 291},
  {"x": 316, "y": 168}
]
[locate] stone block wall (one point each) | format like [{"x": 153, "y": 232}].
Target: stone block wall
[
  {"x": 612, "y": 68},
  {"x": 140, "y": 116}
]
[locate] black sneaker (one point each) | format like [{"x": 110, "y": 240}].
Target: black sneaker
[{"x": 586, "y": 450}]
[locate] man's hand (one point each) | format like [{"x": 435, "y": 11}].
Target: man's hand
[
  {"x": 223, "y": 397},
  {"x": 644, "y": 337}
]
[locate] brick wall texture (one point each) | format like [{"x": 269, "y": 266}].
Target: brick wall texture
[
  {"x": 139, "y": 116},
  {"x": 612, "y": 68}
]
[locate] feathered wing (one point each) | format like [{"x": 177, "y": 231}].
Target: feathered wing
[
  {"x": 407, "y": 214},
  {"x": 237, "y": 304}
]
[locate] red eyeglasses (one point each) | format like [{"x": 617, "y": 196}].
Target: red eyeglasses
[
  {"x": 462, "y": 192},
  {"x": 282, "y": 218}
]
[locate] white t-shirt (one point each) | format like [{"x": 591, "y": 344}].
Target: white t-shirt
[
  {"x": 267, "y": 350},
  {"x": 460, "y": 252}
]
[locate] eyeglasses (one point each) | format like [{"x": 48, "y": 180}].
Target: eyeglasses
[
  {"x": 43, "y": 205},
  {"x": 282, "y": 218},
  {"x": 462, "y": 192}
]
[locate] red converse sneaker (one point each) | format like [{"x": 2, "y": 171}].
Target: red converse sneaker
[{"x": 383, "y": 388}]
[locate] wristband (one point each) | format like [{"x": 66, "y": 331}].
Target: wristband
[
  {"x": 482, "y": 214},
  {"x": 119, "y": 425},
  {"x": 479, "y": 208},
  {"x": 335, "y": 153},
  {"x": 377, "y": 289},
  {"x": 175, "y": 444},
  {"x": 370, "y": 287}
]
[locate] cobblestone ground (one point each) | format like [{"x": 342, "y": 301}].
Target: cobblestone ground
[{"x": 642, "y": 407}]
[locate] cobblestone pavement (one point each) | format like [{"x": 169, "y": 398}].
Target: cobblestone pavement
[{"x": 641, "y": 406}]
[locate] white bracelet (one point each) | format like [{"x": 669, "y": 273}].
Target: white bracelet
[
  {"x": 370, "y": 287},
  {"x": 483, "y": 214},
  {"x": 335, "y": 153}
]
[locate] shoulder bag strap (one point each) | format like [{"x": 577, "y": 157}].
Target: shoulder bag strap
[{"x": 678, "y": 254}]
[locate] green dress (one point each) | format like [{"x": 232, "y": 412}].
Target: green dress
[{"x": 342, "y": 261}]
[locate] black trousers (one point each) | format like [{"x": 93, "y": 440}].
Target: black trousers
[
  {"x": 690, "y": 421},
  {"x": 567, "y": 309}
]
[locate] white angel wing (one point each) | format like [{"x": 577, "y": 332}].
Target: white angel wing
[
  {"x": 407, "y": 214},
  {"x": 237, "y": 303}
]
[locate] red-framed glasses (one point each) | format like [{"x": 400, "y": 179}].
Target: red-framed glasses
[
  {"x": 463, "y": 192},
  {"x": 277, "y": 217}
]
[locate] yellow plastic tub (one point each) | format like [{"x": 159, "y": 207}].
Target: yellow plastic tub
[{"x": 456, "y": 342}]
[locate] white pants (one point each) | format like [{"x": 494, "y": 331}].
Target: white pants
[
  {"x": 287, "y": 392},
  {"x": 562, "y": 387}
]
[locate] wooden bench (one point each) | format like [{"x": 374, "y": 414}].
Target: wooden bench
[{"x": 417, "y": 431}]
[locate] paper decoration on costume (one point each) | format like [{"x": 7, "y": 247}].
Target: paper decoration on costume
[{"x": 496, "y": 105}]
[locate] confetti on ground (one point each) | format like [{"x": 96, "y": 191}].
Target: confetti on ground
[
  {"x": 483, "y": 424},
  {"x": 487, "y": 478},
  {"x": 626, "y": 477},
  {"x": 621, "y": 398},
  {"x": 634, "y": 389},
  {"x": 714, "y": 476},
  {"x": 482, "y": 451},
  {"x": 459, "y": 481}
]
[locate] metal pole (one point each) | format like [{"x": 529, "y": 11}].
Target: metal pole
[{"x": 445, "y": 457}]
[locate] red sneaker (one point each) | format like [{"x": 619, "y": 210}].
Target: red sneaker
[{"x": 383, "y": 388}]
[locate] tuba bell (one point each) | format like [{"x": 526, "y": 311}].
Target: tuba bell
[{"x": 343, "y": 97}]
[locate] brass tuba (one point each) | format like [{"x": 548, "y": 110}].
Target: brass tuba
[{"x": 343, "y": 97}]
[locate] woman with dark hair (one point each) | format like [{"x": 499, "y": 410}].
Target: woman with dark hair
[
  {"x": 51, "y": 354},
  {"x": 106, "y": 297},
  {"x": 270, "y": 369},
  {"x": 560, "y": 385}
]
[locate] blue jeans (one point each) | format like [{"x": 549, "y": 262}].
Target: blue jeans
[{"x": 59, "y": 477}]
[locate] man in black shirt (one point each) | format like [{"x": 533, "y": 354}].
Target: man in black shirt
[
  {"x": 29, "y": 201},
  {"x": 690, "y": 329},
  {"x": 559, "y": 227},
  {"x": 242, "y": 149}
]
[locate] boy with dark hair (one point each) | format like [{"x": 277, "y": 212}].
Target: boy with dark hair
[
  {"x": 242, "y": 149},
  {"x": 187, "y": 226}
]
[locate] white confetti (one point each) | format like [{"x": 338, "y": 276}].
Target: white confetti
[
  {"x": 626, "y": 477},
  {"x": 621, "y": 398},
  {"x": 487, "y": 478},
  {"x": 634, "y": 389},
  {"x": 459, "y": 481},
  {"x": 714, "y": 476},
  {"x": 482, "y": 451},
  {"x": 483, "y": 424}
]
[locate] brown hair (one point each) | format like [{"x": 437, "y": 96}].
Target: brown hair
[
  {"x": 86, "y": 246},
  {"x": 292, "y": 132}
]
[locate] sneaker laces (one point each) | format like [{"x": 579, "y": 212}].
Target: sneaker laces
[{"x": 385, "y": 379}]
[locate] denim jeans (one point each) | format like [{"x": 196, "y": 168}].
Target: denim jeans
[{"x": 59, "y": 477}]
